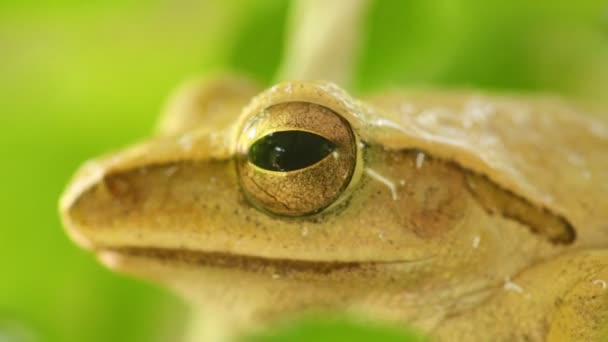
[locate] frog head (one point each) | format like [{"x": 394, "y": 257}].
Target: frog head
[{"x": 298, "y": 198}]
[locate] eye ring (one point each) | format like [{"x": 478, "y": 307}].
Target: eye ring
[{"x": 295, "y": 158}]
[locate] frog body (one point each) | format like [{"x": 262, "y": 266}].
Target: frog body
[{"x": 466, "y": 215}]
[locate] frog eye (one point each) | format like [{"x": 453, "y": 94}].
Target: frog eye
[{"x": 295, "y": 158}]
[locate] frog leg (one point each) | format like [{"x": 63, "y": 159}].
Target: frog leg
[
  {"x": 582, "y": 313},
  {"x": 562, "y": 299},
  {"x": 210, "y": 103}
]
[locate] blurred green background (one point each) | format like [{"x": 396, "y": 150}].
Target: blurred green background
[{"x": 78, "y": 78}]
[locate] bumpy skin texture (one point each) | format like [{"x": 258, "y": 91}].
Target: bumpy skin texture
[{"x": 470, "y": 216}]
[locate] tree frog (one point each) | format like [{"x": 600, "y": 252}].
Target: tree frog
[{"x": 467, "y": 215}]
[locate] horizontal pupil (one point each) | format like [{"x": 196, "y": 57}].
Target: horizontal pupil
[{"x": 289, "y": 150}]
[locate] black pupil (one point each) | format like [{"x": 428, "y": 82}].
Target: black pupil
[{"x": 289, "y": 150}]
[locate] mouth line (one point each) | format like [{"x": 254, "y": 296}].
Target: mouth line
[{"x": 253, "y": 263}]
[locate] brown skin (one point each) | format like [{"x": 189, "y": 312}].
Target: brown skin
[{"x": 470, "y": 217}]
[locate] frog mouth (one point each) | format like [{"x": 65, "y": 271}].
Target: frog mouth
[{"x": 200, "y": 259}]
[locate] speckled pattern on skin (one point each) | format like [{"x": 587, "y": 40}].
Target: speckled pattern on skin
[{"x": 454, "y": 243}]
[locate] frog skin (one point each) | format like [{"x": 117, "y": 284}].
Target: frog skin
[
  {"x": 466, "y": 215},
  {"x": 469, "y": 216}
]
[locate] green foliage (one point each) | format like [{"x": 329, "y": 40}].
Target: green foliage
[
  {"x": 542, "y": 45},
  {"x": 330, "y": 328},
  {"x": 80, "y": 78}
]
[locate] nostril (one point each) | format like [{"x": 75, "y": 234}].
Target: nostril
[{"x": 117, "y": 187}]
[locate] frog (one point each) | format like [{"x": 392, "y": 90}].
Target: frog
[{"x": 465, "y": 214}]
